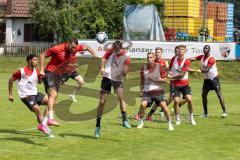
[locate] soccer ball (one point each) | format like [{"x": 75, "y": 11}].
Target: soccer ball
[{"x": 101, "y": 37}]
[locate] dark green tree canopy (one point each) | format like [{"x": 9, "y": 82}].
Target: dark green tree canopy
[{"x": 81, "y": 18}]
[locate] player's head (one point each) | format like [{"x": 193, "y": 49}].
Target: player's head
[
  {"x": 181, "y": 50},
  {"x": 176, "y": 50},
  {"x": 32, "y": 60},
  {"x": 206, "y": 49},
  {"x": 117, "y": 46},
  {"x": 158, "y": 52},
  {"x": 72, "y": 43},
  {"x": 150, "y": 57}
]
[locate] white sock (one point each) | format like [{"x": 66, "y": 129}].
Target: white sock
[
  {"x": 73, "y": 92},
  {"x": 44, "y": 122},
  {"x": 178, "y": 117},
  {"x": 50, "y": 114},
  {"x": 191, "y": 116}
]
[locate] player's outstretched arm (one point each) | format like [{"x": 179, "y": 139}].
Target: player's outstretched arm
[
  {"x": 10, "y": 87},
  {"x": 102, "y": 65},
  {"x": 42, "y": 58},
  {"x": 179, "y": 76},
  {"x": 90, "y": 50},
  {"x": 125, "y": 69},
  {"x": 205, "y": 69},
  {"x": 194, "y": 70},
  {"x": 193, "y": 59}
]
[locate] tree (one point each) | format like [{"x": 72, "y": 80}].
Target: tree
[{"x": 80, "y": 18}]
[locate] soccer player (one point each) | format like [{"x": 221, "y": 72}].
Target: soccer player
[
  {"x": 211, "y": 80},
  {"x": 58, "y": 68},
  {"x": 153, "y": 78},
  {"x": 114, "y": 67},
  {"x": 179, "y": 75},
  {"x": 27, "y": 79},
  {"x": 164, "y": 65}
]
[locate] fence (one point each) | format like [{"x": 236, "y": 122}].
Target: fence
[{"x": 25, "y": 48}]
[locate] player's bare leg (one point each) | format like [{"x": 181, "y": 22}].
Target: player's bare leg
[
  {"x": 142, "y": 113},
  {"x": 164, "y": 107},
  {"x": 102, "y": 101},
  {"x": 221, "y": 100},
  {"x": 190, "y": 109},
  {"x": 204, "y": 102},
  {"x": 176, "y": 110},
  {"x": 120, "y": 95},
  {"x": 80, "y": 83},
  {"x": 52, "y": 96}
]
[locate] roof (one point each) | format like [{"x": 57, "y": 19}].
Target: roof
[
  {"x": 18, "y": 8},
  {"x": 3, "y": 2}
]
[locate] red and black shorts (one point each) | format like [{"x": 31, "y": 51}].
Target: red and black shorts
[
  {"x": 209, "y": 84},
  {"x": 107, "y": 84},
  {"x": 33, "y": 100}
]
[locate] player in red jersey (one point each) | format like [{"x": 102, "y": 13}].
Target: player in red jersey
[
  {"x": 179, "y": 75},
  {"x": 211, "y": 80},
  {"x": 58, "y": 68}
]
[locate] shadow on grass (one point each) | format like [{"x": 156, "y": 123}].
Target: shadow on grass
[
  {"x": 11, "y": 131},
  {"x": 86, "y": 137},
  {"x": 232, "y": 125},
  {"x": 233, "y": 114},
  {"x": 23, "y": 140}
]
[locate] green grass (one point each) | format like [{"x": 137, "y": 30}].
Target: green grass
[{"x": 212, "y": 138}]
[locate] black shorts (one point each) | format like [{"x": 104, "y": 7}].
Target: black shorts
[
  {"x": 31, "y": 101},
  {"x": 72, "y": 75},
  {"x": 209, "y": 84},
  {"x": 151, "y": 99},
  {"x": 107, "y": 84},
  {"x": 185, "y": 90},
  {"x": 52, "y": 80},
  {"x": 171, "y": 88}
]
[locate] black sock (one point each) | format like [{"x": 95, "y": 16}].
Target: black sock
[
  {"x": 124, "y": 115},
  {"x": 98, "y": 122},
  {"x": 151, "y": 112}
]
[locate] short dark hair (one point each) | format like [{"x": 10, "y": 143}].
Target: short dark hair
[
  {"x": 182, "y": 45},
  {"x": 158, "y": 48},
  {"x": 150, "y": 53},
  {"x": 175, "y": 49},
  {"x": 207, "y": 46},
  {"x": 117, "y": 44},
  {"x": 73, "y": 40},
  {"x": 30, "y": 56}
]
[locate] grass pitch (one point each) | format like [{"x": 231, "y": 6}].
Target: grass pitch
[{"x": 212, "y": 138}]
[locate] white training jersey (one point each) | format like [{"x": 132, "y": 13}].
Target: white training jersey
[
  {"x": 114, "y": 67},
  {"x": 176, "y": 68},
  {"x": 149, "y": 85},
  {"x": 213, "y": 72},
  {"x": 27, "y": 85}
]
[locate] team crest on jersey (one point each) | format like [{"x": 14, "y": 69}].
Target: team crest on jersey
[
  {"x": 31, "y": 102},
  {"x": 50, "y": 82}
]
